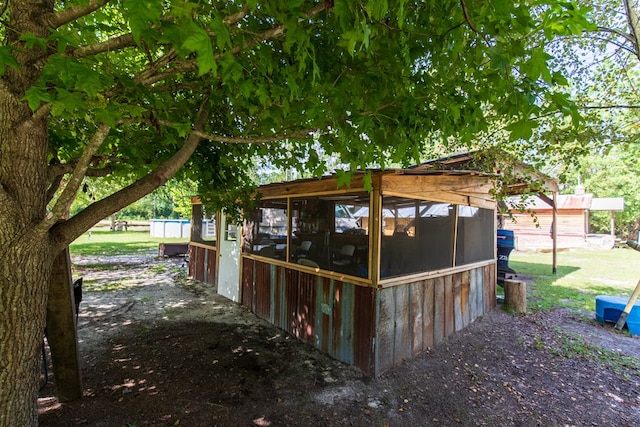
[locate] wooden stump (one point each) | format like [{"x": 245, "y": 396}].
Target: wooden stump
[{"x": 515, "y": 295}]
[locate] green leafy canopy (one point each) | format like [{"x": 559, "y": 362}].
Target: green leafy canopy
[{"x": 374, "y": 82}]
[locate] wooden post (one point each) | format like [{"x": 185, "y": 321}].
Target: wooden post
[
  {"x": 61, "y": 330},
  {"x": 515, "y": 295},
  {"x": 554, "y": 224},
  {"x": 196, "y": 223}
]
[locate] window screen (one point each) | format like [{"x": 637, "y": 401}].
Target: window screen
[
  {"x": 265, "y": 233},
  {"x": 331, "y": 232},
  {"x": 417, "y": 236},
  {"x": 475, "y": 240}
]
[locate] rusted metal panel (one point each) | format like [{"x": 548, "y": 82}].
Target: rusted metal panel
[
  {"x": 324, "y": 310},
  {"x": 273, "y": 292},
  {"x": 343, "y": 321},
  {"x": 276, "y": 301},
  {"x": 199, "y": 266},
  {"x": 300, "y": 305},
  {"x": 248, "y": 275},
  {"x": 290, "y": 303},
  {"x": 336, "y": 327},
  {"x": 363, "y": 328},
  {"x": 261, "y": 290},
  {"x": 438, "y": 311},
  {"x": 212, "y": 256},
  {"x": 449, "y": 314},
  {"x": 306, "y": 308}
]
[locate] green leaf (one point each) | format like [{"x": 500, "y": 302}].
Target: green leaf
[
  {"x": 67, "y": 102},
  {"x": 522, "y": 129},
  {"x": 200, "y": 43},
  {"x": 108, "y": 116},
  {"x": 223, "y": 38},
  {"x": 142, "y": 14},
  {"x": 31, "y": 41},
  {"x": 36, "y": 95},
  {"x": 377, "y": 9},
  {"x": 7, "y": 60}
]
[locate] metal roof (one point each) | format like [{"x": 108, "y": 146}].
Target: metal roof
[
  {"x": 573, "y": 201},
  {"x": 608, "y": 204}
]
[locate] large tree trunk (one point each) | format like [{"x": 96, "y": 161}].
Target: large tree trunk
[
  {"x": 25, "y": 257},
  {"x": 24, "y": 274}
]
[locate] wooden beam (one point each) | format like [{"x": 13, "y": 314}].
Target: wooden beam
[
  {"x": 548, "y": 200},
  {"x": 61, "y": 330},
  {"x": 375, "y": 232},
  {"x": 310, "y": 187}
]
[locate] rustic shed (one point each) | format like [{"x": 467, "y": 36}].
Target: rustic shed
[
  {"x": 371, "y": 278},
  {"x": 533, "y": 228}
]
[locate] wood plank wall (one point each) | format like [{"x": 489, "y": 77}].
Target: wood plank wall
[
  {"x": 416, "y": 316},
  {"x": 317, "y": 310}
]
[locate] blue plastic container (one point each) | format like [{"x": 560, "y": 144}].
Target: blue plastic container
[{"x": 609, "y": 308}]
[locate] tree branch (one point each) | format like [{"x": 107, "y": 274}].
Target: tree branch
[
  {"x": 148, "y": 77},
  {"x": 109, "y": 45},
  {"x": 56, "y": 171},
  {"x": 74, "y": 12},
  {"x": 607, "y": 107},
  {"x": 257, "y": 139},
  {"x": 63, "y": 203},
  {"x": 66, "y": 232},
  {"x": 615, "y": 33},
  {"x": 3, "y": 7},
  {"x": 634, "y": 26},
  {"x": 53, "y": 187},
  {"x": 467, "y": 18}
]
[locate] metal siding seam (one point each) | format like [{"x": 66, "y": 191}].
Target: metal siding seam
[
  {"x": 374, "y": 341},
  {"x": 409, "y": 320},
  {"x": 204, "y": 266},
  {"x": 273, "y": 286}
]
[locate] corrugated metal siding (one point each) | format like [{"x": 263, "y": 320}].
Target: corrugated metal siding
[
  {"x": 317, "y": 310},
  {"x": 202, "y": 264},
  {"x": 415, "y": 316},
  {"x": 364, "y": 329},
  {"x": 248, "y": 268},
  {"x": 211, "y": 267}
]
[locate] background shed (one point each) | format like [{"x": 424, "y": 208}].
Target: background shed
[{"x": 572, "y": 222}]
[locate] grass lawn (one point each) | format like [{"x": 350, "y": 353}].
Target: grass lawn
[
  {"x": 119, "y": 243},
  {"x": 582, "y": 275}
]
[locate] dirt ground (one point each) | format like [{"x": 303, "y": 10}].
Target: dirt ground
[{"x": 159, "y": 350}]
